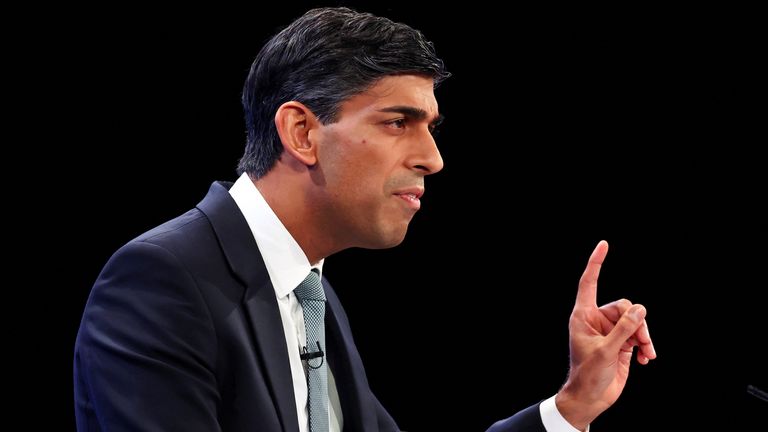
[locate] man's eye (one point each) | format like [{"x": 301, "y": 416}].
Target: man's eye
[{"x": 397, "y": 124}]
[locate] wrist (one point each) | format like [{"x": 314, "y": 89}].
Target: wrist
[{"x": 575, "y": 410}]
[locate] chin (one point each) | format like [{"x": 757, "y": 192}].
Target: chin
[
  {"x": 387, "y": 240},
  {"x": 393, "y": 243}
]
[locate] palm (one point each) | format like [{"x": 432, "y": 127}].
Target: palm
[{"x": 589, "y": 329}]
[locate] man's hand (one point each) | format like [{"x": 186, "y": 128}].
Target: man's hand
[{"x": 601, "y": 343}]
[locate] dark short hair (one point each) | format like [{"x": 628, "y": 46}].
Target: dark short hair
[{"x": 325, "y": 57}]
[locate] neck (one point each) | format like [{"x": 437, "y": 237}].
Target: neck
[{"x": 288, "y": 197}]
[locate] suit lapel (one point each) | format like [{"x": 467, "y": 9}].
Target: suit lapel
[
  {"x": 261, "y": 307},
  {"x": 347, "y": 368},
  {"x": 259, "y": 300}
]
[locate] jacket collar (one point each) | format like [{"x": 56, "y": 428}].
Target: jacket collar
[{"x": 261, "y": 307}]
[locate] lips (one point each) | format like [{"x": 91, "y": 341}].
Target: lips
[{"x": 411, "y": 196}]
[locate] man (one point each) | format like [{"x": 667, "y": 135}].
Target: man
[{"x": 217, "y": 320}]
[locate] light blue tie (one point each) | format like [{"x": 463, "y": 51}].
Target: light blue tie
[{"x": 312, "y": 297}]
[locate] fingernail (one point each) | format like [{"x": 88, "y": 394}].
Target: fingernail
[{"x": 637, "y": 313}]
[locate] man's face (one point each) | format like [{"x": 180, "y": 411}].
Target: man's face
[{"x": 373, "y": 160}]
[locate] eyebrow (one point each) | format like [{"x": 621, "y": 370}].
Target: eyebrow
[{"x": 414, "y": 113}]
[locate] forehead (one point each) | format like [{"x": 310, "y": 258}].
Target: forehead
[{"x": 414, "y": 91}]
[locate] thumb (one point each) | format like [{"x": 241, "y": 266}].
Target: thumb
[{"x": 628, "y": 324}]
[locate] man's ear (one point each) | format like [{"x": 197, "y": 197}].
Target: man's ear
[{"x": 293, "y": 121}]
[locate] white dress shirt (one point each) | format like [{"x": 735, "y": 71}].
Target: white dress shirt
[
  {"x": 552, "y": 419},
  {"x": 287, "y": 266}
]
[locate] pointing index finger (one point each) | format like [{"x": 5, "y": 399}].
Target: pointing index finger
[{"x": 587, "y": 295}]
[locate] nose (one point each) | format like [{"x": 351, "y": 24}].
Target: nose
[{"x": 426, "y": 157}]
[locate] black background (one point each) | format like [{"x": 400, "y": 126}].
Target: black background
[{"x": 563, "y": 127}]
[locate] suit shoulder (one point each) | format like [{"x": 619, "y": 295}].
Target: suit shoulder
[
  {"x": 182, "y": 238},
  {"x": 192, "y": 220},
  {"x": 189, "y": 239}
]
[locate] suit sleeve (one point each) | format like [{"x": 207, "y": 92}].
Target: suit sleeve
[
  {"x": 385, "y": 421},
  {"x": 527, "y": 420},
  {"x": 146, "y": 348}
]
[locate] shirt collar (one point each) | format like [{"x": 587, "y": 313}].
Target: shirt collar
[{"x": 286, "y": 262}]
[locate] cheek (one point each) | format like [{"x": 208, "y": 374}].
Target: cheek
[
  {"x": 361, "y": 194},
  {"x": 361, "y": 184},
  {"x": 356, "y": 173},
  {"x": 349, "y": 183}
]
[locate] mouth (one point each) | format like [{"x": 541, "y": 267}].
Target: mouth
[{"x": 411, "y": 196}]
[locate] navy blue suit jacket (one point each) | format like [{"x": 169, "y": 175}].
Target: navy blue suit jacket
[{"x": 182, "y": 332}]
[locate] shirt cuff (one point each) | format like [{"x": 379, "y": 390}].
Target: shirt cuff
[{"x": 552, "y": 419}]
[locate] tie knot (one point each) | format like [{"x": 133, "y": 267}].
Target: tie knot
[{"x": 310, "y": 288}]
